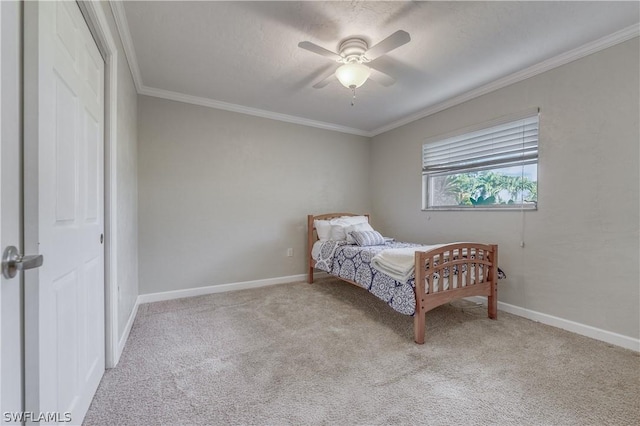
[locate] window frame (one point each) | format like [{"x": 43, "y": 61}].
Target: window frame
[{"x": 426, "y": 181}]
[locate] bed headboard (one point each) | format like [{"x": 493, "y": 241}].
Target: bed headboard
[{"x": 312, "y": 235}]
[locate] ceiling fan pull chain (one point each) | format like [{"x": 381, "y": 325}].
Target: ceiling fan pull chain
[{"x": 353, "y": 100}]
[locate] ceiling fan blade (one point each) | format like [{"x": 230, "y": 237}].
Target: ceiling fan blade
[
  {"x": 325, "y": 80},
  {"x": 394, "y": 41},
  {"x": 311, "y": 47},
  {"x": 381, "y": 78}
]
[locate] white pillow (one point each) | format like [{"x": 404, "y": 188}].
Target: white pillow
[
  {"x": 339, "y": 227},
  {"x": 323, "y": 228},
  {"x": 337, "y": 233},
  {"x": 357, "y": 227},
  {"x": 335, "y": 229},
  {"x": 353, "y": 220}
]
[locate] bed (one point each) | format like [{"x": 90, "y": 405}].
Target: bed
[{"x": 437, "y": 275}]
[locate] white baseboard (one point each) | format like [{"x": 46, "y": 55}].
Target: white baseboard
[
  {"x": 572, "y": 326},
  {"x": 199, "y": 291},
  {"x": 127, "y": 330}
]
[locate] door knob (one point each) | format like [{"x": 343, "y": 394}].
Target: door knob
[{"x": 13, "y": 261}]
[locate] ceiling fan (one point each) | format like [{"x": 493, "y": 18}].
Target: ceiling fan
[{"x": 354, "y": 54}]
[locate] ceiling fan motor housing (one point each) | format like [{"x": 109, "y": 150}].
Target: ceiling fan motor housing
[{"x": 352, "y": 50}]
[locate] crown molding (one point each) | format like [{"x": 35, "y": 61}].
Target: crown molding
[
  {"x": 546, "y": 65},
  {"x": 212, "y": 103},
  {"x": 564, "y": 58},
  {"x": 122, "y": 25}
]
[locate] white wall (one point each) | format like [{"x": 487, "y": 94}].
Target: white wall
[
  {"x": 223, "y": 195},
  {"x": 126, "y": 184},
  {"x": 580, "y": 261}
]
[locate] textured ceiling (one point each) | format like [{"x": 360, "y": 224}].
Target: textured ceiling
[{"x": 245, "y": 53}]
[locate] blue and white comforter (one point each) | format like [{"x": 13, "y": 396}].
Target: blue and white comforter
[{"x": 354, "y": 263}]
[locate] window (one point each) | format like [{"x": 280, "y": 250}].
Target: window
[{"x": 492, "y": 167}]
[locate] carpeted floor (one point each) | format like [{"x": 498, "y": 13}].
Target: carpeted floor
[{"x": 331, "y": 353}]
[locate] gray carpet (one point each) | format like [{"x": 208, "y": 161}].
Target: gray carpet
[{"x": 331, "y": 353}]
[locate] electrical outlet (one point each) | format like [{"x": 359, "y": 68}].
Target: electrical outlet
[{"x": 289, "y": 252}]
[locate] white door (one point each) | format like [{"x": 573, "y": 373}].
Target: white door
[
  {"x": 10, "y": 211},
  {"x": 64, "y": 210}
]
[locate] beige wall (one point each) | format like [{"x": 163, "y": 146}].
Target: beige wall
[
  {"x": 223, "y": 195},
  {"x": 126, "y": 184},
  {"x": 580, "y": 260}
]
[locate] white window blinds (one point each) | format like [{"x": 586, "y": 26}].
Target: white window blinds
[{"x": 506, "y": 144}]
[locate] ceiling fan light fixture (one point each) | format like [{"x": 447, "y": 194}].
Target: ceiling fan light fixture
[{"x": 353, "y": 75}]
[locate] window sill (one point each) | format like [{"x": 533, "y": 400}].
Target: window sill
[{"x": 482, "y": 208}]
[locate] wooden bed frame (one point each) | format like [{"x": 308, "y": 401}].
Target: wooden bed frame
[{"x": 425, "y": 302}]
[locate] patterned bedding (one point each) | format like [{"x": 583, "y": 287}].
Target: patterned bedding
[{"x": 353, "y": 263}]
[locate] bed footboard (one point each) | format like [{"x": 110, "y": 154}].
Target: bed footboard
[{"x": 451, "y": 272}]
